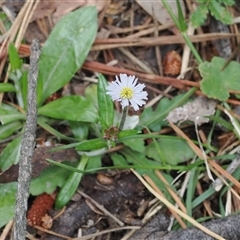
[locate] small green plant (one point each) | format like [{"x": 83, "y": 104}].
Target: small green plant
[
  {"x": 96, "y": 126},
  {"x": 62, "y": 55},
  {"x": 215, "y": 8},
  {"x": 114, "y": 129}
]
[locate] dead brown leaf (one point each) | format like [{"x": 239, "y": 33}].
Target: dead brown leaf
[
  {"x": 60, "y": 8},
  {"x": 66, "y": 6},
  {"x": 158, "y": 11}
]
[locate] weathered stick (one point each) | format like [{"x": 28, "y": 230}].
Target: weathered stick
[
  {"x": 27, "y": 147},
  {"x": 227, "y": 228}
]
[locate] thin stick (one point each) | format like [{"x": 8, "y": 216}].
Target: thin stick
[
  {"x": 101, "y": 208},
  {"x": 27, "y": 147}
]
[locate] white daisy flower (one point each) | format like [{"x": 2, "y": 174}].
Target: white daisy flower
[{"x": 127, "y": 91}]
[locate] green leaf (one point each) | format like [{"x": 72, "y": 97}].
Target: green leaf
[
  {"x": 63, "y": 147},
  {"x": 148, "y": 165},
  {"x": 93, "y": 153},
  {"x": 24, "y": 87},
  {"x": 71, "y": 185},
  {"x": 127, "y": 133},
  {"x": 137, "y": 158},
  {"x": 106, "y": 109},
  {"x": 94, "y": 162},
  {"x": 12, "y": 117},
  {"x": 155, "y": 119},
  {"x": 103, "y": 124},
  {"x": 8, "y": 107},
  {"x": 192, "y": 185},
  {"x": 16, "y": 76},
  {"x": 222, "y": 122},
  {"x": 174, "y": 150},
  {"x": 80, "y": 129},
  {"x": 220, "y": 13},
  {"x": 7, "y": 202},
  {"x": 118, "y": 159},
  {"x": 216, "y": 10},
  {"x": 91, "y": 94},
  {"x": 199, "y": 15},
  {"x": 65, "y": 50},
  {"x": 92, "y": 144},
  {"x": 15, "y": 61},
  {"x": 16, "y": 73},
  {"x": 9, "y": 114},
  {"x": 73, "y": 108},
  {"x": 202, "y": 197},
  {"x": 5, "y": 20},
  {"x": 135, "y": 144},
  {"x": 7, "y": 87},
  {"x": 51, "y": 178},
  {"x": 10, "y": 154},
  {"x": 227, "y": 2},
  {"x": 8, "y": 129},
  {"x": 43, "y": 123},
  {"x": 216, "y": 83},
  {"x": 181, "y": 18}
]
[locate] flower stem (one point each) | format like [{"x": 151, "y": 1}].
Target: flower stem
[{"x": 123, "y": 118}]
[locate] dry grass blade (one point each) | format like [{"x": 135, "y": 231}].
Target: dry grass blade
[
  {"x": 6, "y": 230},
  {"x": 212, "y": 164},
  {"x": 102, "y": 44},
  {"x": 18, "y": 29},
  {"x": 224, "y": 173},
  {"x": 172, "y": 193},
  {"x": 224, "y": 181},
  {"x": 51, "y": 232},
  {"x": 205, "y": 202},
  {"x": 170, "y": 206},
  {"x": 152, "y": 184}
]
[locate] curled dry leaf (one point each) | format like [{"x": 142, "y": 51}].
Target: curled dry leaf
[
  {"x": 104, "y": 179},
  {"x": 47, "y": 221},
  {"x": 195, "y": 111},
  {"x": 66, "y": 6},
  {"x": 44, "y": 9},
  {"x": 172, "y": 63}
]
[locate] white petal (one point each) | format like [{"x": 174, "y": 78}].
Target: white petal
[
  {"x": 139, "y": 87},
  {"x": 134, "y": 105},
  {"x": 114, "y": 89},
  {"x": 141, "y": 95},
  {"x": 125, "y": 102}
]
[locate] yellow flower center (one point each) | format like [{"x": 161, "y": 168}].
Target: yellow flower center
[{"x": 126, "y": 92}]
